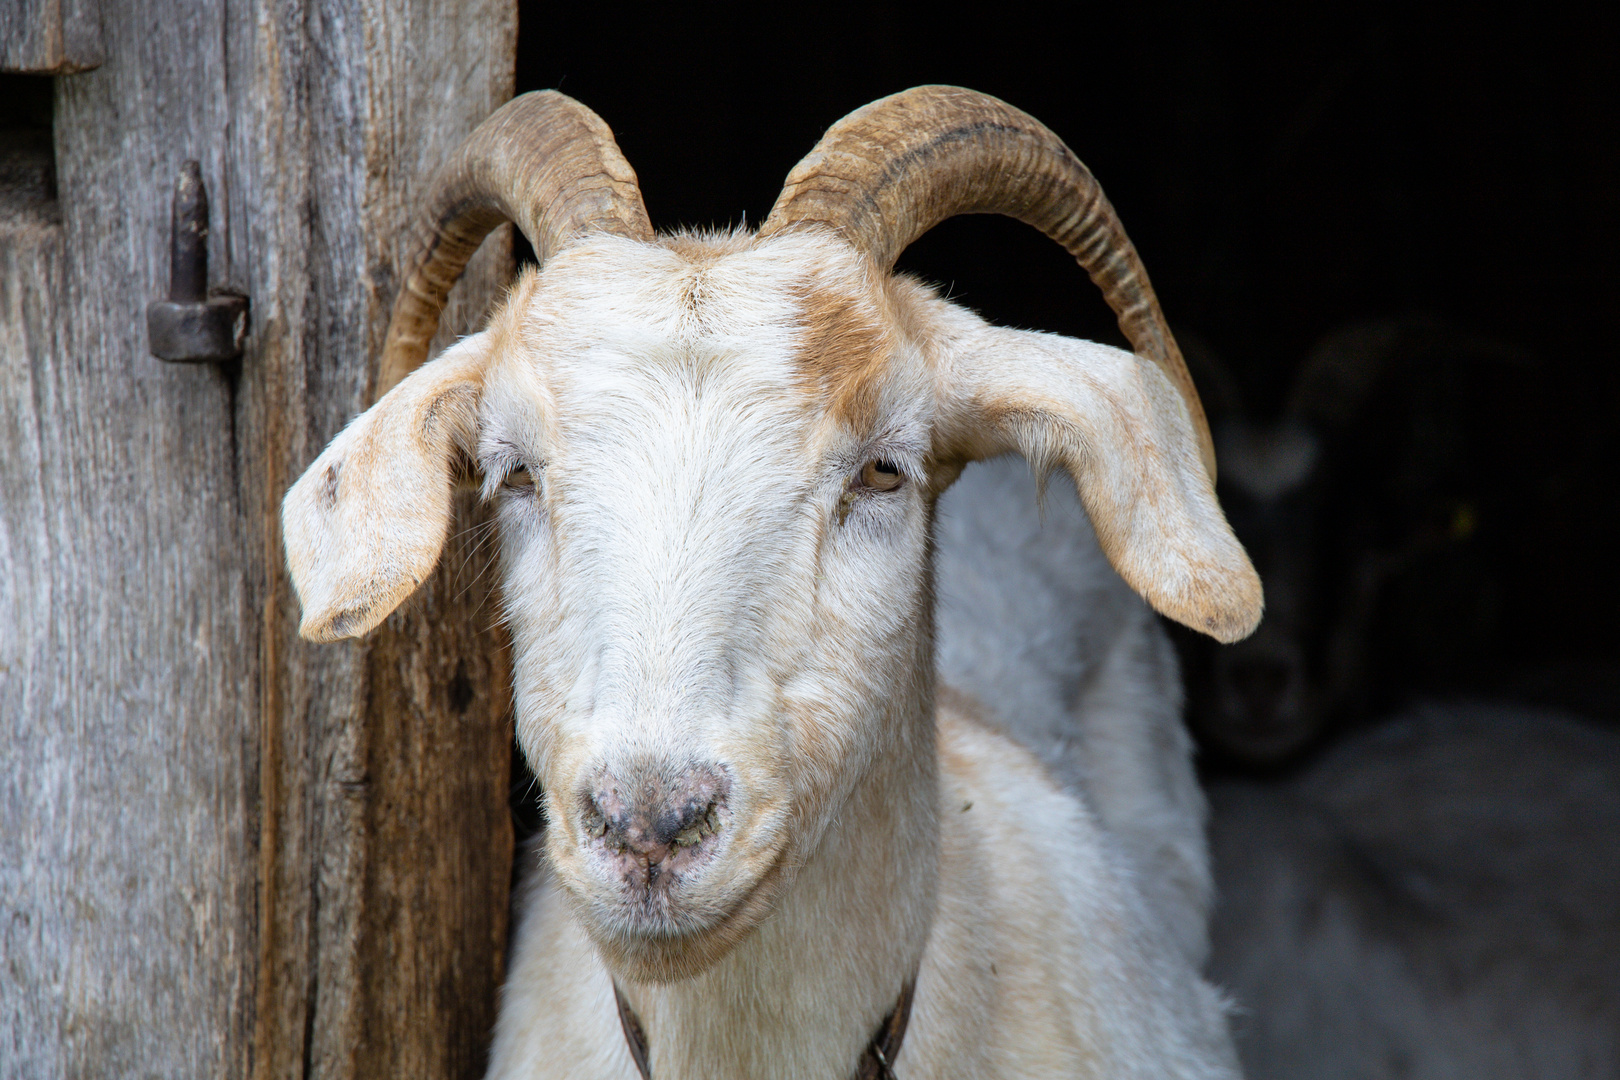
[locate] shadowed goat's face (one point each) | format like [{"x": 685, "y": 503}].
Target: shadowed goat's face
[
  {"x": 1264, "y": 701},
  {"x": 1357, "y": 504}
]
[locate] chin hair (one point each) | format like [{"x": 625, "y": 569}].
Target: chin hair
[{"x": 666, "y": 958}]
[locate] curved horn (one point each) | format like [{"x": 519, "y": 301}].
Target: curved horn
[
  {"x": 543, "y": 161},
  {"x": 887, "y": 173}
]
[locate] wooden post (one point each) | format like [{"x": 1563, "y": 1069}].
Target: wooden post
[{"x": 224, "y": 852}]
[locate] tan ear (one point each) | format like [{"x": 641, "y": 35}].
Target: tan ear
[
  {"x": 365, "y": 523},
  {"x": 1122, "y": 430}
]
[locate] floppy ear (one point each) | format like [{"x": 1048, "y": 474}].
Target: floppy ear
[
  {"x": 1121, "y": 429},
  {"x": 365, "y": 523}
]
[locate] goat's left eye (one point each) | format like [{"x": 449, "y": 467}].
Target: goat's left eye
[{"x": 880, "y": 475}]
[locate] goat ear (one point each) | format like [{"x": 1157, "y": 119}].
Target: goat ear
[
  {"x": 1121, "y": 429},
  {"x": 365, "y": 523}
]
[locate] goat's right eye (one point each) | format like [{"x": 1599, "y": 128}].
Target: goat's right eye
[
  {"x": 519, "y": 480},
  {"x": 881, "y": 475}
]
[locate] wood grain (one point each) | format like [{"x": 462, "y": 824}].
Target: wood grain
[
  {"x": 31, "y": 834},
  {"x": 50, "y": 37},
  {"x": 130, "y": 746},
  {"x": 225, "y": 852},
  {"x": 386, "y": 841}
]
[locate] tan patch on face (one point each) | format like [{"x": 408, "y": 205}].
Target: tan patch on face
[{"x": 844, "y": 352}]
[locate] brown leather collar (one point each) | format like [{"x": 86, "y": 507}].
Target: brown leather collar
[{"x": 877, "y": 1063}]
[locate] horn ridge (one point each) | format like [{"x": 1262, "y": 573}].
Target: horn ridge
[
  {"x": 542, "y": 161},
  {"x": 891, "y": 170}
]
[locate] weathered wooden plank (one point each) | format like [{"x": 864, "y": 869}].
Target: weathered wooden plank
[
  {"x": 131, "y": 752},
  {"x": 30, "y": 274},
  {"x": 224, "y": 852},
  {"x": 50, "y": 37},
  {"x": 439, "y": 705},
  {"x": 385, "y": 837}
]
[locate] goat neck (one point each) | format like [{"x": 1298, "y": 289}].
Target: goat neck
[{"x": 811, "y": 984}]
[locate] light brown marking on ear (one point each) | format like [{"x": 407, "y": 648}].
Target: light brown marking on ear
[
  {"x": 1196, "y": 574},
  {"x": 844, "y": 351},
  {"x": 452, "y": 413}
]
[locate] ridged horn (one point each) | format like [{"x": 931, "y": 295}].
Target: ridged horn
[
  {"x": 887, "y": 173},
  {"x": 542, "y": 161}
]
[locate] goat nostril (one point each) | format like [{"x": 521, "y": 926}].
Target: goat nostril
[
  {"x": 696, "y": 830},
  {"x": 649, "y": 837},
  {"x": 593, "y": 820},
  {"x": 647, "y": 825}
]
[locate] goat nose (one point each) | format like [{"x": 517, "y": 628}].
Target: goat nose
[
  {"x": 652, "y": 836},
  {"x": 657, "y": 817}
]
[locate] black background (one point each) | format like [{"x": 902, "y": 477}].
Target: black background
[{"x": 1282, "y": 170}]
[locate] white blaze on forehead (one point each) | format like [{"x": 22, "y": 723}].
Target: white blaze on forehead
[
  {"x": 679, "y": 470},
  {"x": 1266, "y": 462}
]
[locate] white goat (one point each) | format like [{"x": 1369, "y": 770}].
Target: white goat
[
  {"x": 716, "y": 461},
  {"x": 1037, "y": 628}
]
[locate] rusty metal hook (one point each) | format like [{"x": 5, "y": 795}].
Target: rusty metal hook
[{"x": 191, "y": 327}]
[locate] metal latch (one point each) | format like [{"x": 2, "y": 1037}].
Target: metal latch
[{"x": 191, "y": 327}]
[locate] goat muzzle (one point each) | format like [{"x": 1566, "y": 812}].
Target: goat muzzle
[{"x": 651, "y": 826}]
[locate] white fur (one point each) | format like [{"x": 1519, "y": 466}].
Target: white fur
[
  {"x": 1037, "y": 627},
  {"x": 1040, "y": 961}
]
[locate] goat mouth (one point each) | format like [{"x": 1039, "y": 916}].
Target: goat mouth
[
  {"x": 657, "y": 937},
  {"x": 653, "y": 872}
]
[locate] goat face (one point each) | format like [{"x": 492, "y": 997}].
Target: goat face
[
  {"x": 715, "y": 465},
  {"x": 715, "y": 577},
  {"x": 715, "y": 461},
  {"x": 1357, "y": 505},
  {"x": 1264, "y": 699}
]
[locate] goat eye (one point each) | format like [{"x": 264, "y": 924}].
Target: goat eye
[
  {"x": 880, "y": 475},
  {"x": 520, "y": 479}
]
